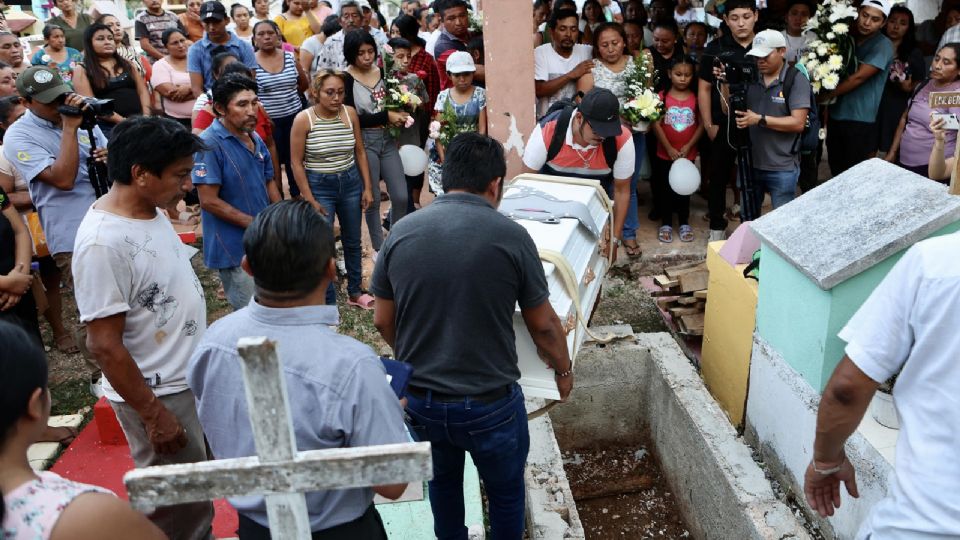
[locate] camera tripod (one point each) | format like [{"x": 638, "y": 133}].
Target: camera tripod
[
  {"x": 96, "y": 170},
  {"x": 739, "y": 140}
]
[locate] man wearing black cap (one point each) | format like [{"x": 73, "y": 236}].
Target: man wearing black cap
[
  {"x": 216, "y": 39},
  {"x": 587, "y": 142}
]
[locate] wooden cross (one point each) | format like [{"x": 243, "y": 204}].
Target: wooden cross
[
  {"x": 941, "y": 100},
  {"x": 278, "y": 472}
]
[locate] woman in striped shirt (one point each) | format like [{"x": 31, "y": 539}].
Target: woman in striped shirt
[
  {"x": 330, "y": 166},
  {"x": 280, "y": 81}
]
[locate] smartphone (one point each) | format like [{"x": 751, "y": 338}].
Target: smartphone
[{"x": 950, "y": 121}]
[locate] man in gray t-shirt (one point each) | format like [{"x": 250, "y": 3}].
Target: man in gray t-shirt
[
  {"x": 447, "y": 283},
  {"x": 775, "y": 120}
]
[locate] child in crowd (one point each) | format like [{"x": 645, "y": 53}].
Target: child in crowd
[
  {"x": 475, "y": 48},
  {"x": 678, "y": 132},
  {"x": 410, "y": 135},
  {"x": 464, "y": 104}
]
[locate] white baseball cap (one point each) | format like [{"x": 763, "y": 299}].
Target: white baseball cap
[
  {"x": 883, "y": 5},
  {"x": 460, "y": 62},
  {"x": 768, "y": 41}
]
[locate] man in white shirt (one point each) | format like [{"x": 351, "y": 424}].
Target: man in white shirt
[
  {"x": 558, "y": 64},
  {"x": 143, "y": 304},
  {"x": 907, "y": 328}
]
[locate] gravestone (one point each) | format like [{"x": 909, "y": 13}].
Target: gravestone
[
  {"x": 279, "y": 471},
  {"x": 821, "y": 257}
]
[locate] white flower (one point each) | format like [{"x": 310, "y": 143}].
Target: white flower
[
  {"x": 811, "y": 65},
  {"x": 831, "y": 35},
  {"x": 835, "y": 62},
  {"x": 814, "y": 44},
  {"x": 821, "y": 72},
  {"x": 840, "y": 28},
  {"x": 822, "y": 50},
  {"x": 816, "y": 87},
  {"x": 812, "y": 56},
  {"x": 831, "y": 81}
]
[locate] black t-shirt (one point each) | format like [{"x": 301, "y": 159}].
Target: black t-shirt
[
  {"x": 728, "y": 50},
  {"x": 456, "y": 271},
  {"x": 8, "y": 246}
]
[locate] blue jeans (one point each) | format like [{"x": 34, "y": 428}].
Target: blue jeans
[
  {"x": 781, "y": 185},
  {"x": 497, "y": 437},
  {"x": 339, "y": 194},
  {"x": 632, "y": 223},
  {"x": 237, "y": 286}
]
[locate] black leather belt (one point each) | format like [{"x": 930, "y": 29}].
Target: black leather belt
[{"x": 486, "y": 397}]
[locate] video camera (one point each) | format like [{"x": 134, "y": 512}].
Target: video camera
[
  {"x": 741, "y": 73},
  {"x": 93, "y": 108}
]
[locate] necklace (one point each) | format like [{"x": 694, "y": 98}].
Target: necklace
[{"x": 586, "y": 158}]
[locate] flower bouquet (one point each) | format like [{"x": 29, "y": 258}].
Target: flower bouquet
[
  {"x": 830, "y": 57},
  {"x": 644, "y": 106},
  {"x": 448, "y": 125},
  {"x": 399, "y": 95},
  {"x": 476, "y": 22}
]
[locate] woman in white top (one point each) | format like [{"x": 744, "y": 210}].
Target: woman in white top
[
  {"x": 40, "y": 506},
  {"x": 240, "y": 22}
]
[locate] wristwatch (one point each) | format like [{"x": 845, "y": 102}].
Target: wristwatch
[{"x": 763, "y": 121}]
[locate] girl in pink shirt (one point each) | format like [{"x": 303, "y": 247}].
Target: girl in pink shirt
[{"x": 677, "y": 131}]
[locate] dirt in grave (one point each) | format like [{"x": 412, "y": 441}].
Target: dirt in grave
[{"x": 621, "y": 493}]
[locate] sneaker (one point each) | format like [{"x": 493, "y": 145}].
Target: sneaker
[{"x": 717, "y": 235}]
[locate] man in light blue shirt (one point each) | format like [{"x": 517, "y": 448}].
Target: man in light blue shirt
[
  {"x": 337, "y": 386},
  {"x": 51, "y": 153},
  {"x": 235, "y": 180},
  {"x": 216, "y": 39}
]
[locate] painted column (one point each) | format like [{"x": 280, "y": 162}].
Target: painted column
[{"x": 508, "y": 46}]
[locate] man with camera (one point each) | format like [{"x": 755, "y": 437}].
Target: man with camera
[
  {"x": 731, "y": 49},
  {"x": 775, "y": 118},
  {"x": 52, "y": 152}
]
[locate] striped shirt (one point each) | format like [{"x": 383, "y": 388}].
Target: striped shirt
[
  {"x": 330, "y": 144},
  {"x": 278, "y": 91}
]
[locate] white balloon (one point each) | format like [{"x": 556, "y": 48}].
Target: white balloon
[
  {"x": 684, "y": 177},
  {"x": 414, "y": 159}
]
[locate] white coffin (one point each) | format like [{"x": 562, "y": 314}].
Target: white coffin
[{"x": 586, "y": 255}]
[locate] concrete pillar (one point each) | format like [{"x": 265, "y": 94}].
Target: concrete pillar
[{"x": 508, "y": 45}]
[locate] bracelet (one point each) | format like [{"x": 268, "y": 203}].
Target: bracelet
[
  {"x": 566, "y": 373},
  {"x": 831, "y": 470}
]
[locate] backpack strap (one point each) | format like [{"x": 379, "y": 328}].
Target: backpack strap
[
  {"x": 559, "y": 133},
  {"x": 914, "y": 94},
  {"x": 788, "y": 79}
]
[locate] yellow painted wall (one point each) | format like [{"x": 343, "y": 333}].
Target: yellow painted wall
[{"x": 728, "y": 334}]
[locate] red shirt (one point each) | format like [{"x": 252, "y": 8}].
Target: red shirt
[
  {"x": 426, "y": 68},
  {"x": 679, "y": 123}
]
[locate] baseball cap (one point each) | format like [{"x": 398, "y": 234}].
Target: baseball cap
[
  {"x": 882, "y": 5},
  {"x": 42, "y": 84},
  {"x": 460, "y": 62},
  {"x": 364, "y": 4},
  {"x": 766, "y": 42},
  {"x": 601, "y": 110},
  {"x": 213, "y": 10}
]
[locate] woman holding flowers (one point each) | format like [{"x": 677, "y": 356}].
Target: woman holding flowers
[
  {"x": 367, "y": 92},
  {"x": 56, "y": 54},
  {"x": 330, "y": 166},
  {"x": 280, "y": 80},
  {"x": 914, "y": 138}
]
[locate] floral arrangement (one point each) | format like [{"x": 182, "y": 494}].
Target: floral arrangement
[
  {"x": 476, "y": 22},
  {"x": 830, "y": 57},
  {"x": 643, "y": 107},
  {"x": 643, "y": 104},
  {"x": 448, "y": 125}
]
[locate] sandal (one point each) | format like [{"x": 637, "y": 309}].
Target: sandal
[
  {"x": 665, "y": 234},
  {"x": 364, "y": 301},
  {"x": 632, "y": 248},
  {"x": 67, "y": 345},
  {"x": 56, "y": 434},
  {"x": 686, "y": 233}
]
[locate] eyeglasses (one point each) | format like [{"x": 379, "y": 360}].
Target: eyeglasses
[{"x": 333, "y": 93}]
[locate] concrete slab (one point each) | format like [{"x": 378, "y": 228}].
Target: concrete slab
[
  {"x": 856, "y": 220},
  {"x": 551, "y": 511},
  {"x": 41, "y": 455}
]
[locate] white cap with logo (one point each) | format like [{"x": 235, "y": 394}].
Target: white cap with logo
[
  {"x": 460, "y": 62},
  {"x": 766, "y": 42}
]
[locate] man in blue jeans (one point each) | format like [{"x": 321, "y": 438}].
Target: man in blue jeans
[
  {"x": 775, "y": 120},
  {"x": 446, "y": 284}
]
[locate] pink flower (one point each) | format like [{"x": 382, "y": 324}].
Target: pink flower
[
  {"x": 435, "y": 126},
  {"x": 388, "y": 49},
  {"x": 404, "y": 88},
  {"x": 409, "y": 122}
]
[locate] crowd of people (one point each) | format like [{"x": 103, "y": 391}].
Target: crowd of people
[{"x": 230, "y": 110}]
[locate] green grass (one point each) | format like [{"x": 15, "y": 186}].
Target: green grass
[{"x": 70, "y": 396}]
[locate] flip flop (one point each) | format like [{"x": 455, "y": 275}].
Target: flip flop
[
  {"x": 71, "y": 434},
  {"x": 67, "y": 345},
  {"x": 632, "y": 248},
  {"x": 364, "y": 301}
]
